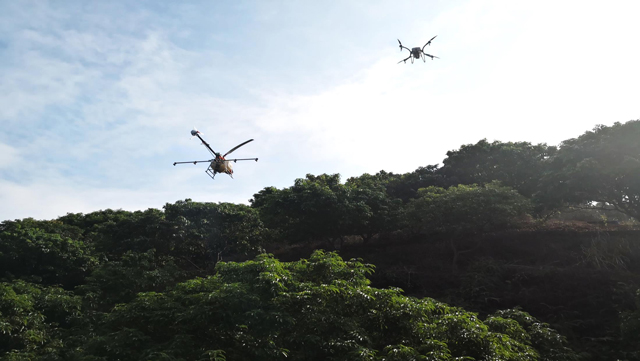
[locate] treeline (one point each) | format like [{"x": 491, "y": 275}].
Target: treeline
[
  {"x": 150, "y": 285},
  {"x": 480, "y": 188}
]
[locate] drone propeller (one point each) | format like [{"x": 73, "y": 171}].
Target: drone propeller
[
  {"x": 237, "y": 146},
  {"x": 402, "y": 46},
  {"x": 428, "y": 42}
]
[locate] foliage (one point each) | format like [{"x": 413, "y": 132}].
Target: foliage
[
  {"x": 550, "y": 345},
  {"x": 33, "y": 319},
  {"x": 113, "y": 233},
  {"x": 317, "y": 309},
  {"x": 206, "y": 232},
  {"x": 517, "y": 165},
  {"x": 119, "y": 281},
  {"x": 43, "y": 251},
  {"x": 466, "y": 210},
  {"x": 630, "y": 330},
  {"x": 602, "y": 165},
  {"x": 366, "y": 180},
  {"x": 385, "y": 213},
  {"x": 407, "y": 185},
  {"x": 316, "y": 208}
]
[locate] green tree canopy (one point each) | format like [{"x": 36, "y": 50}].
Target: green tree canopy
[
  {"x": 46, "y": 252},
  {"x": 386, "y": 212},
  {"x": 515, "y": 164},
  {"x": 406, "y": 186},
  {"x": 120, "y": 280},
  {"x": 206, "y": 232},
  {"x": 316, "y": 208},
  {"x": 466, "y": 211},
  {"x": 602, "y": 165},
  {"x": 33, "y": 320},
  {"x": 317, "y": 309},
  {"x": 115, "y": 232}
]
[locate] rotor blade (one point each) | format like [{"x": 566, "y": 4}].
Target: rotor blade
[
  {"x": 206, "y": 144},
  {"x": 194, "y": 162},
  {"x": 237, "y": 146}
]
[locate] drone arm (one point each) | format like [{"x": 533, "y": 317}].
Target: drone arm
[
  {"x": 194, "y": 162},
  {"x": 405, "y": 59},
  {"x": 428, "y": 43},
  {"x": 235, "y": 160},
  {"x": 429, "y": 55}
]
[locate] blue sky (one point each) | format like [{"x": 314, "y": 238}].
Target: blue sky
[{"x": 98, "y": 98}]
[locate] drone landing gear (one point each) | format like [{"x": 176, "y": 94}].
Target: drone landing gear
[{"x": 211, "y": 172}]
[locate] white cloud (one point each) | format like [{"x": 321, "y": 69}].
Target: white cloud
[{"x": 9, "y": 156}]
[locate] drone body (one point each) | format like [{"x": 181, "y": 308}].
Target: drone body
[
  {"x": 417, "y": 52},
  {"x": 219, "y": 164}
]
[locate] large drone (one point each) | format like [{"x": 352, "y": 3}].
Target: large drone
[
  {"x": 219, "y": 164},
  {"x": 417, "y": 53}
]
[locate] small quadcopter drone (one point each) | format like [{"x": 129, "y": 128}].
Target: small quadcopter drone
[
  {"x": 219, "y": 164},
  {"x": 417, "y": 53}
]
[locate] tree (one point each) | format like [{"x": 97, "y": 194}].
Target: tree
[
  {"x": 466, "y": 211},
  {"x": 33, "y": 320},
  {"x": 46, "y": 252},
  {"x": 549, "y": 344},
  {"x": 385, "y": 213},
  {"x": 602, "y": 165},
  {"x": 120, "y": 280},
  {"x": 115, "y": 232},
  {"x": 315, "y": 208},
  {"x": 407, "y": 185},
  {"x": 322, "y": 308},
  {"x": 204, "y": 233},
  {"x": 514, "y": 164}
]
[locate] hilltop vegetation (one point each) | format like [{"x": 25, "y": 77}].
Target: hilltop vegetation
[{"x": 508, "y": 251}]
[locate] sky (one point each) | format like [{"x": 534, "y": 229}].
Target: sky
[{"x": 97, "y": 99}]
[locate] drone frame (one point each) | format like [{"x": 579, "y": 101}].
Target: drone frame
[
  {"x": 218, "y": 158},
  {"x": 417, "y": 53}
]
